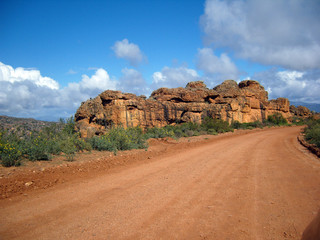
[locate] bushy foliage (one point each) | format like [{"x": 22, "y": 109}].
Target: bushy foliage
[
  {"x": 167, "y": 131},
  {"x": 41, "y": 145},
  {"x": 189, "y": 129},
  {"x": 298, "y": 121},
  {"x": 218, "y": 125},
  {"x": 61, "y": 138},
  {"x": 276, "y": 119},
  {"x": 118, "y": 139},
  {"x": 312, "y": 132},
  {"x": 9, "y": 153}
]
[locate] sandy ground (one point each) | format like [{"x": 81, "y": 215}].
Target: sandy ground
[{"x": 259, "y": 184}]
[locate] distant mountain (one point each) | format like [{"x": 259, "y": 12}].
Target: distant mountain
[
  {"x": 312, "y": 106},
  {"x": 22, "y": 124}
]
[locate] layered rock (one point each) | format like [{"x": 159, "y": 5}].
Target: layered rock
[
  {"x": 243, "y": 102},
  {"x": 300, "y": 111}
]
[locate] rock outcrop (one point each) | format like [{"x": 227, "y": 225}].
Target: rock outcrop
[{"x": 243, "y": 102}]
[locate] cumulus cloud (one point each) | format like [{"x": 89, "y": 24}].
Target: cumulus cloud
[
  {"x": 174, "y": 77},
  {"x": 9, "y": 74},
  {"x": 132, "y": 81},
  {"x": 298, "y": 86},
  {"x": 100, "y": 81},
  {"x": 277, "y": 32},
  {"x": 26, "y": 93},
  {"x": 218, "y": 67},
  {"x": 129, "y": 51}
]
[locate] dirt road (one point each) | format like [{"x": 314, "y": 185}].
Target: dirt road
[{"x": 258, "y": 185}]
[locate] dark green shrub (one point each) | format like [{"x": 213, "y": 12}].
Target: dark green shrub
[
  {"x": 68, "y": 148},
  {"x": 298, "y": 121},
  {"x": 159, "y": 132},
  {"x": 178, "y": 133},
  {"x": 277, "y": 119},
  {"x": 69, "y": 125},
  {"x": 236, "y": 125},
  {"x": 312, "y": 132},
  {"x": 102, "y": 143},
  {"x": 9, "y": 155},
  {"x": 36, "y": 148},
  {"x": 118, "y": 139},
  {"x": 81, "y": 144},
  {"x": 212, "y": 132},
  {"x": 218, "y": 125}
]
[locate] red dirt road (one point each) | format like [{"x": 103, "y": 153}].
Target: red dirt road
[{"x": 256, "y": 185}]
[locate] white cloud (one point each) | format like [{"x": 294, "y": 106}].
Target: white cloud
[
  {"x": 100, "y": 81},
  {"x": 211, "y": 64},
  {"x": 132, "y": 81},
  {"x": 277, "y": 32},
  {"x": 296, "y": 85},
  {"x": 9, "y": 74},
  {"x": 174, "y": 77},
  {"x": 26, "y": 93},
  {"x": 129, "y": 51}
]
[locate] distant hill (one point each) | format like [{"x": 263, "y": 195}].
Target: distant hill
[
  {"x": 312, "y": 106},
  {"x": 22, "y": 124}
]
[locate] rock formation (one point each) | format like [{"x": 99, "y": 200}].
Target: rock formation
[{"x": 243, "y": 102}]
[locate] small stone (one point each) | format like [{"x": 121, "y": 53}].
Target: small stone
[{"x": 27, "y": 184}]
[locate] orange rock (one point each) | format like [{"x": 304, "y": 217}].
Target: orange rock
[{"x": 243, "y": 102}]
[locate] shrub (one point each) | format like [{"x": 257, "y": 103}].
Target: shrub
[
  {"x": 119, "y": 139},
  {"x": 189, "y": 133},
  {"x": 36, "y": 148},
  {"x": 101, "y": 143},
  {"x": 81, "y": 144},
  {"x": 212, "y": 132},
  {"x": 9, "y": 155},
  {"x": 277, "y": 119},
  {"x": 159, "y": 132},
  {"x": 218, "y": 125},
  {"x": 298, "y": 121},
  {"x": 69, "y": 148},
  {"x": 312, "y": 132}
]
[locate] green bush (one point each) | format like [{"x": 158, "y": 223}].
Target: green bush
[
  {"x": 9, "y": 155},
  {"x": 212, "y": 132},
  {"x": 160, "y": 132},
  {"x": 277, "y": 119},
  {"x": 218, "y": 125},
  {"x": 118, "y": 139},
  {"x": 298, "y": 121},
  {"x": 36, "y": 147},
  {"x": 68, "y": 148},
  {"x": 312, "y": 132},
  {"x": 41, "y": 144}
]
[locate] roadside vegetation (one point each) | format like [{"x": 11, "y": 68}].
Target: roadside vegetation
[
  {"x": 312, "y": 132},
  {"x": 61, "y": 138}
]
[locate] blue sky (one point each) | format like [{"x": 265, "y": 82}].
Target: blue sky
[{"x": 56, "y": 54}]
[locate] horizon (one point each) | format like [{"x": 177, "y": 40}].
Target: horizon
[{"x": 55, "y": 55}]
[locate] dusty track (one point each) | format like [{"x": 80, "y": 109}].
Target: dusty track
[{"x": 259, "y": 185}]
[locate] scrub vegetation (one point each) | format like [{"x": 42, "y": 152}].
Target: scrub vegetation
[
  {"x": 62, "y": 139},
  {"x": 312, "y": 132}
]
